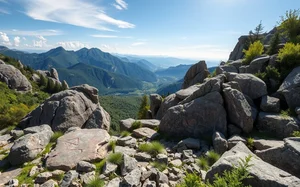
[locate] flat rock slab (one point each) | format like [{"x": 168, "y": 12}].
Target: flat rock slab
[
  {"x": 184, "y": 93},
  {"x": 125, "y": 150},
  {"x": 8, "y": 175},
  {"x": 150, "y": 123},
  {"x": 261, "y": 144},
  {"x": 84, "y": 144},
  {"x": 145, "y": 132},
  {"x": 5, "y": 139}
]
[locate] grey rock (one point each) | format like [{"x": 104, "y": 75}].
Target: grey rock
[
  {"x": 232, "y": 141},
  {"x": 126, "y": 124},
  {"x": 2, "y": 62},
  {"x": 226, "y": 68},
  {"x": 109, "y": 168},
  {"x": 150, "y": 123},
  {"x": 43, "y": 177},
  {"x": 65, "y": 84},
  {"x": 191, "y": 143},
  {"x": 37, "y": 129},
  {"x": 280, "y": 126},
  {"x": 191, "y": 119},
  {"x": 233, "y": 130},
  {"x": 13, "y": 183},
  {"x": 125, "y": 150},
  {"x": 187, "y": 154},
  {"x": 184, "y": 93},
  {"x": 238, "y": 109},
  {"x": 16, "y": 133},
  {"x": 54, "y": 74},
  {"x": 168, "y": 102},
  {"x": 209, "y": 85},
  {"x": 237, "y": 63},
  {"x": 116, "y": 182},
  {"x": 249, "y": 84},
  {"x": 85, "y": 144},
  {"x": 28, "y": 147},
  {"x": 86, "y": 178},
  {"x": 144, "y": 157},
  {"x": 232, "y": 84},
  {"x": 128, "y": 165},
  {"x": 68, "y": 178},
  {"x": 5, "y": 139},
  {"x": 263, "y": 174},
  {"x": 14, "y": 78},
  {"x": 99, "y": 119},
  {"x": 290, "y": 89},
  {"x": 220, "y": 143},
  {"x": 196, "y": 74},
  {"x": 161, "y": 178},
  {"x": 127, "y": 141},
  {"x": 133, "y": 178},
  {"x": 49, "y": 183},
  {"x": 149, "y": 183},
  {"x": 84, "y": 166},
  {"x": 145, "y": 132},
  {"x": 270, "y": 104},
  {"x": 258, "y": 65},
  {"x": 57, "y": 173},
  {"x": 69, "y": 108},
  {"x": 162, "y": 158},
  {"x": 176, "y": 163},
  {"x": 150, "y": 174},
  {"x": 155, "y": 102},
  {"x": 237, "y": 52},
  {"x": 285, "y": 157},
  {"x": 262, "y": 144}
]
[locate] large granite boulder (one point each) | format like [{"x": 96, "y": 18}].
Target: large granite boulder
[
  {"x": 263, "y": 174},
  {"x": 290, "y": 89},
  {"x": 238, "y": 109},
  {"x": 83, "y": 144},
  {"x": 155, "y": 102},
  {"x": 29, "y": 146},
  {"x": 14, "y": 78},
  {"x": 249, "y": 84},
  {"x": 209, "y": 85},
  {"x": 184, "y": 93},
  {"x": 75, "y": 107},
  {"x": 54, "y": 74},
  {"x": 199, "y": 118},
  {"x": 285, "y": 157},
  {"x": 270, "y": 104},
  {"x": 278, "y": 125},
  {"x": 168, "y": 102},
  {"x": 237, "y": 52},
  {"x": 196, "y": 74},
  {"x": 258, "y": 65}
]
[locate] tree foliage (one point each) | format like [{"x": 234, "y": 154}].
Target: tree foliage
[
  {"x": 144, "y": 107},
  {"x": 273, "y": 49},
  {"x": 290, "y": 25},
  {"x": 255, "y": 49},
  {"x": 289, "y": 58}
]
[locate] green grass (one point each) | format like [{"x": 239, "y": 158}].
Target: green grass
[
  {"x": 250, "y": 143},
  {"x": 296, "y": 134},
  {"x": 95, "y": 182},
  {"x": 203, "y": 163},
  {"x": 47, "y": 149},
  {"x": 212, "y": 157},
  {"x": 112, "y": 145},
  {"x": 158, "y": 165},
  {"x": 23, "y": 178},
  {"x": 115, "y": 158},
  {"x": 125, "y": 133},
  {"x": 55, "y": 136},
  {"x": 152, "y": 148},
  {"x": 136, "y": 125},
  {"x": 99, "y": 166}
]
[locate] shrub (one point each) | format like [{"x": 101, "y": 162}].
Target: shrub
[
  {"x": 203, "y": 163},
  {"x": 289, "y": 58},
  {"x": 95, "y": 182},
  {"x": 290, "y": 25},
  {"x": 125, "y": 133},
  {"x": 152, "y": 148},
  {"x": 212, "y": 157},
  {"x": 192, "y": 180},
  {"x": 255, "y": 49},
  {"x": 250, "y": 143},
  {"x": 115, "y": 158},
  {"x": 136, "y": 125},
  {"x": 144, "y": 107},
  {"x": 286, "y": 113},
  {"x": 273, "y": 49},
  {"x": 160, "y": 166},
  {"x": 112, "y": 145},
  {"x": 296, "y": 134},
  {"x": 55, "y": 136},
  {"x": 99, "y": 166}
]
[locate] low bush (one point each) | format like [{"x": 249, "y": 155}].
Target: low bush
[
  {"x": 125, "y": 133},
  {"x": 158, "y": 165},
  {"x": 136, "y": 125},
  {"x": 203, "y": 163},
  {"x": 289, "y": 58},
  {"x": 95, "y": 182},
  {"x": 112, "y": 145},
  {"x": 296, "y": 134},
  {"x": 255, "y": 50},
  {"x": 55, "y": 136},
  {"x": 212, "y": 157},
  {"x": 152, "y": 148},
  {"x": 250, "y": 143}
]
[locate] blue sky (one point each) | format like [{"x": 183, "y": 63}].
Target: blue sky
[{"x": 195, "y": 29}]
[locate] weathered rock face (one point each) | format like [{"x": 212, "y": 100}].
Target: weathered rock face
[
  {"x": 184, "y": 93},
  {"x": 280, "y": 126},
  {"x": 258, "y": 65},
  {"x": 226, "y": 68},
  {"x": 14, "y": 78},
  {"x": 196, "y": 74},
  {"x": 84, "y": 144},
  {"x": 70, "y": 108},
  {"x": 285, "y": 157},
  {"x": 220, "y": 143},
  {"x": 290, "y": 89},
  {"x": 168, "y": 102},
  {"x": 237, "y": 52},
  {"x": 155, "y": 102},
  {"x": 263, "y": 174},
  {"x": 249, "y": 84},
  {"x": 29, "y": 146},
  {"x": 238, "y": 109},
  {"x": 270, "y": 104},
  {"x": 199, "y": 118},
  {"x": 54, "y": 74}
]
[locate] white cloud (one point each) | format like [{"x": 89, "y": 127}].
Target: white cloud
[
  {"x": 46, "y": 32},
  {"x": 4, "y": 39},
  {"x": 3, "y": 11},
  {"x": 109, "y": 36},
  {"x": 41, "y": 43},
  {"x": 74, "y": 12},
  {"x": 120, "y": 4},
  {"x": 17, "y": 41},
  {"x": 24, "y": 38},
  {"x": 138, "y": 43},
  {"x": 72, "y": 45}
]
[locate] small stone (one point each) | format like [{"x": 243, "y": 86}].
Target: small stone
[
  {"x": 49, "y": 183},
  {"x": 187, "y": 154},
  {"x": 161, "y": 178},
  {"x": 116, "y": 182},
  {"x": 142, "y": 157},
  {"x": 84, "y": 166},
  {"x": 43, "y": 177},
  {"x": 176, "y": 163},
  {"x": 68, "y": 178},
  {"x": 162, "y": 158},
  {"x": 109, "y": 168},
  {"x": 87, "y": 177},
  {"x": 149, "y": 183},
  {"x": 13, "y": 183},
  {"x": 177, "y": 155},
  {"x": 128, "y": 165},
  {"x": 133, "y": 178},
  {"x": 127, "y": 141}
]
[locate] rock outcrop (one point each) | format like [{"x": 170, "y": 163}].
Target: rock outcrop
[
  {"x": 196, "y": 74},
  {"x": 75, "y": 107},
  {"x": 199, "y": 118},
  {"x": 14, "y": 78}
]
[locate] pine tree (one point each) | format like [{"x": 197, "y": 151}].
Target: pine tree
[
  {"x": 144, "y": 107},
  {"x": 273, "y": 49},
  {"x": 50, "y": 86}
]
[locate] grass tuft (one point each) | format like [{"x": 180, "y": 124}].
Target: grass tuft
[
  {"x": 125, "y": 133},
  {"x": 152, "y": 148},
  {"x": 95, "y": 182},
  {"x": 212, "y": 157},
  {"x": 115, "y": 158},
  {"x": 55, "y": 136},
  {"x": 203, "y": 163},
  {"x": 99, "y": 166},
  {"x": 158, "y": 165},
  {"x": 112, "y": 145},
  {"x": 136, "y": 125}
]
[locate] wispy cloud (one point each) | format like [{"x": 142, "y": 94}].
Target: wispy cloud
[
  {"x": 74, "y": 12},
  {"x": 4, "y": 11},
  {"x": 138, "y": 43},
  {"x": 109, "y": 36},
  {"x": 4, "y": 39},
  {"x": 72, "y": 45},
  {"x": 49, "y": 32},
  {"x": 120, "y": 4}
]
